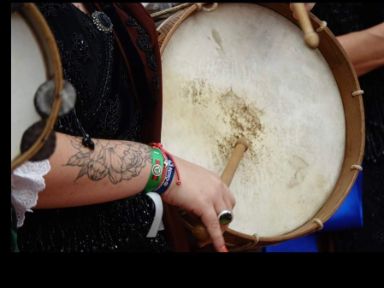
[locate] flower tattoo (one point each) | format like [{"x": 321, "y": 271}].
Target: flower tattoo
[{"x": 116, "y": 160}]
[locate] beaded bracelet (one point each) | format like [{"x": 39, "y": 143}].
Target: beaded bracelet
[{"x": 156, "y": 172}]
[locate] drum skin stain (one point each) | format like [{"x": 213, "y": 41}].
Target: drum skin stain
[
  {"x": 321, "y": 181},
  {"x": 244, "y": 121},
  {"x": 239, "y": 118},
  {"x": 216, "y": 37},
  {"x": 298, "y": 164},
  {"x": 195, "y": 92}
]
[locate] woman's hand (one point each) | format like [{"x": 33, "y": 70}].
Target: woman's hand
[{"x": 202, "y": 193}]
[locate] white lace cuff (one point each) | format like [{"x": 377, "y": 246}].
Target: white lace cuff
[{"x": 27, "y": 181}]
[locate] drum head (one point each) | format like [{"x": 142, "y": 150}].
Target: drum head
[{"x": 244, "y": 71}]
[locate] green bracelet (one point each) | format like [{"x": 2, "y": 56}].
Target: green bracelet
[{"x": 156, "y": 173}]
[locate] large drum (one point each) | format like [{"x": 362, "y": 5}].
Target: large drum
[
  {"x": 243, "y": 70},
  {"x": 36, "y": 83}
]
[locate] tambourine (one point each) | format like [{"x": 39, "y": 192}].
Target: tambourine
[{"x": 38, "y": 92}]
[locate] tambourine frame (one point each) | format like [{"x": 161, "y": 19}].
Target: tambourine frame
[{"x": 52, "y": 60}]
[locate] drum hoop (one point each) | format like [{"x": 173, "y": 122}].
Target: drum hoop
[
  {"x": 355, "y": 129},
  {"x": 47, "y": 43}
]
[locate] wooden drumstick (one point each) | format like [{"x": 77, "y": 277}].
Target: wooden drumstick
[
  {"x": 241, "y": 146},
  {"x": 310, "y": 36},
  {"x": 237, "y": 154}
]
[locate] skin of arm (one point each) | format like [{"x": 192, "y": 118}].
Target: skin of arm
[
  {"x": 365, "y": 48},
  {"x": 79, "y": 176}
]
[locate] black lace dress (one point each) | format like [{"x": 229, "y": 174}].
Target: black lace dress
[
  {"x": 343, "y": 18},
  {"x": 105, "y": 109}
]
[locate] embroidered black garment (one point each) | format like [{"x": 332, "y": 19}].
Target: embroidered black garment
[{"x": 106, "y": 109}]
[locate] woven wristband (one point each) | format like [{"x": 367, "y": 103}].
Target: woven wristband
[
  {"x": 168, "y": 156},
  {"x": 170, "y": 172},
  {"x": 156, "y": 173}
]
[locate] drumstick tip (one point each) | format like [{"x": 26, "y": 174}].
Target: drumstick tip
[
  {"x": 312, "y": 40},
  {"x": 244, "y": 142}
]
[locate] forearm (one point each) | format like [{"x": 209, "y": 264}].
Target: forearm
[
  {"x": 79, "y": 176},
  {"x": 365, "y": 48}
]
